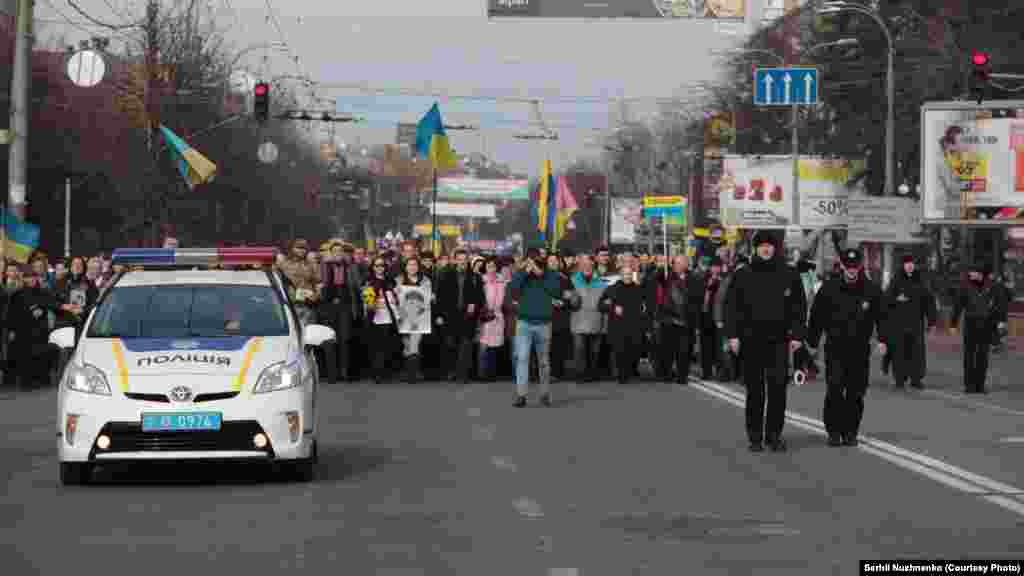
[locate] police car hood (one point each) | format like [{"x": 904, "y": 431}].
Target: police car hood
[{"x": 136, "y": 364}]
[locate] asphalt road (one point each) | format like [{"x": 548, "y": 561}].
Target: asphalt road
[{"x": 440, "y": 479}]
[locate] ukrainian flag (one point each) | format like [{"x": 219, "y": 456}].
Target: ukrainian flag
[
  {"x": 545, "y": 202},
  {"x": 195, "y": 168},
  {"x": 22, "y": 238},
  {"x": 432, "y": 142}
]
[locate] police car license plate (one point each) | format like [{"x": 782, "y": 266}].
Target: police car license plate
[{"x": 181, "y": 421}]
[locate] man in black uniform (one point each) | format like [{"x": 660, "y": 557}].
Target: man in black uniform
[
  {"x": 908, "y": 304},
  {"x": 980, "y": 306},
  {"x": 849, "y": 310},
  {"x": 766, "y": 316}
]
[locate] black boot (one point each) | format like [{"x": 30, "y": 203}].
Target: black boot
[{"x": 412, "y": 369}]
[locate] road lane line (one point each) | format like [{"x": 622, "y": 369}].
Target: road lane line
[
  {"x": 503, "y": 464},
  {"x": 941, "y": 472},
  {"x": 989, "y": 485},
  {"x": 966, "y": 400},
  {"x": 1013, "y": 440}
]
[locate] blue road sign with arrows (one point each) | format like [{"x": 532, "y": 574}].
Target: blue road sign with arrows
[{"x": 785, "y": 86}]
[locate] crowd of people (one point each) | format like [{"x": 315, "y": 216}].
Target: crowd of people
[{"x": 406, "y": 314}]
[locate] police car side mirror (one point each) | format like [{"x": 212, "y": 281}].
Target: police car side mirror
[
  {"x": 317, "y": 334},
  {"x": 63, "y": 338}
]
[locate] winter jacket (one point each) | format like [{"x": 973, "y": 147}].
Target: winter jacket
[
  {"x": 977, "y": 303},
  {"x": 679, "y": 299},
  {"x": 849, "y": 313},
  {"x": 908, "y": 303},
  {"x": 628, "y": 328},
  {"x": 587, "y": 318},
  {"x": 766, "y": 303},
  {"x": 536, "y": 295}
]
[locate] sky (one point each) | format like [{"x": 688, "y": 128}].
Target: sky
[{"x": 387, "y": 60}]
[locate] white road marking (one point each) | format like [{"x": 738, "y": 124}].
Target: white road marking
[
  {"x": 994, "y": 491},
  {"x": 1013, "y": 440},
  {"x": 564, "y": 572},
  {"x": 473, "y": 412},
  {"x": 967, "y": 400}
]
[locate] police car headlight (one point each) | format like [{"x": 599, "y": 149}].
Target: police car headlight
[
  {"x": 86, "y": 378},
  {"x": 280, "y": 376}
]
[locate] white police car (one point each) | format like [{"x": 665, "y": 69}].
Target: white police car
[{"x": 180, "y": 364}]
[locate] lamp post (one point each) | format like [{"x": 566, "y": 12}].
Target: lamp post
[{"x": 837, "y": 7}]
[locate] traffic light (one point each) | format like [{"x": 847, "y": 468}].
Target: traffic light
[
  {"x": 981, "y": 75},
  {"x": 261, "y": 101}
]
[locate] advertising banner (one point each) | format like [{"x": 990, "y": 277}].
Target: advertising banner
[
  {"x": 459, "y": 188},
  {"x": 757, "y": 192},
  {"x": 627, "y": 213},
  {"x": 972, "y": 161},
  {"x": 444, "y": 229},
  {"x": 640, "y": 9},
  {"x": 889, "y": 220},
  {"x": 463, "y": 210},
  {"x": 670, "y": 208}
]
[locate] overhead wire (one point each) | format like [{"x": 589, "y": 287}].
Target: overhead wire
[
  {"x": 99, "y": 22},
  {"x": 273, "y": 19},
  {"x": 363, "y": 87},
  {"x": 89, "y": 28}
]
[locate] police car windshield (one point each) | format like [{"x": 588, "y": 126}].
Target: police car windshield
[{"x": 193, "y": 311}]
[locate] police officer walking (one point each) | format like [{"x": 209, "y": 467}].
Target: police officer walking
[
  {"x": 766, "y": 316},
  {"x": 849, "y": 310},
  {"x": 908, "y": 304},
  {"x": 980, "y": 306}
]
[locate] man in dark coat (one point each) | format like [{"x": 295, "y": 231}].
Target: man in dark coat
[
  {"x": 460, "y": 300},
  {"x": 849, "y": 310},
  {"x": 340, "y": 308},
  {"x": 766, "y": 316},
  {"x": 30, "y": 352},
  {"x": 980, "y": 306},
  {"x": 909, "y": 305}
]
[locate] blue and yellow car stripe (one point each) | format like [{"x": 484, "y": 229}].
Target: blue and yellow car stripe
[{"x": 251, "y": 350}]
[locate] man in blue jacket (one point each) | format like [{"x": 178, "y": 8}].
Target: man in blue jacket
[{"x": 535, "y": 291}]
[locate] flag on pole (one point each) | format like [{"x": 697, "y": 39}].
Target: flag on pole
[
  {"x": 545, "y": 201},
  {"x": 565, "y": 206},
  {"x": 21, "y": 238},
  {"x": 195, "y": 168},
  {"x": 432, "y": 141}
]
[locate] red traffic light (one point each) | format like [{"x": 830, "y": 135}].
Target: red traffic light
[
  {"x": 980, "y": 59},
  {"x": 262, "y": 89}
]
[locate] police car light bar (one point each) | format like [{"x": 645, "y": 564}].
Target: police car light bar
[{"x": 158, "y": 257}]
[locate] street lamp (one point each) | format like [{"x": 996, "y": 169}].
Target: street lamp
[{"x": 836, "y": 7}]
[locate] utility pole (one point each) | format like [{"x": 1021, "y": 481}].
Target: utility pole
[
  {"x": 152, "y": 115},
  {"x": 21, "y": 94}
]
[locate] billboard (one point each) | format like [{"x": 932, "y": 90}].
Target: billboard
[
  {"x": 643, "y": 9},
  {"x": 627, "y": 214},
  {"x": 461, "y": 188},
  {"x": 890, "y": 220},
  {"x": 463, "y": 210},
  {"x": 972, "y": 162},
  {"x": 757, "y": 191}
]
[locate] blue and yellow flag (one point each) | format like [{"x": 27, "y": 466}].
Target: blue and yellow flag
[
  {"x": 432, "y": 142},
  {"x": 22, "y": 238},
  {"x": 195, "y": 168},
  {"x": 545, "y": 202}
]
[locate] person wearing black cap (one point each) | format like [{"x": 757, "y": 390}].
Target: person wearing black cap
[
  {"x": 908, "y": 305},
  {"x": 849, "y": 311},
  {"x": 980, "y": 306},
  {"x": 766, "y": 312}
]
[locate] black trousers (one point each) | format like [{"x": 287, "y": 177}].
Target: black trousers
[
  {"x": 709, "y": 343},
  {"x": 675, "y": 351},
  {"x": 977, "y": 346},
  {"x": 586, "y": 356},
  {"x": 765, "y": 375},
  {"x": 907, "y": 350},
  {"x": 383, "y": 341},
  {"x": 460, "y": 349},
  {"x": 561, "y": 351},
  {"x": 847, "y": 383},
  {"x": 627, "y": 354}
]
